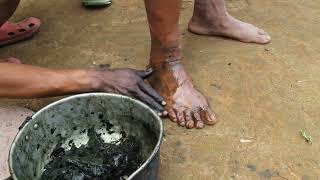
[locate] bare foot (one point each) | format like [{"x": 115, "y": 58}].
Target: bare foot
[
  {"x": 185, "y": 105},
  {"x": 211, "y": 18}
]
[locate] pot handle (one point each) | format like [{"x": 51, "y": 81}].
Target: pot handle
[{"x": 29, "y": 118}]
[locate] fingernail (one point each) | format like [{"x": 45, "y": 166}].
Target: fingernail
[
  {"x": 165, "y": 113},
  {"x": 163, "y": 103},
  {"x": 159, "y": 114},
  {"x": 149, "y": 70}
]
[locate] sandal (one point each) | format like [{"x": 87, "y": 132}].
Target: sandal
[
  {"x": 14, "y": 32},
  {"x": 96, "y": 2}
]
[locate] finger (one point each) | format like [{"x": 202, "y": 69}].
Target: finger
[
  {"x": 188, "y": 118},
  {"x": 180, "y": 118},
  {"x": 165, "y": 113},
  {"x": 158, "y": 113},
  {"x": 149, "y": 100},
  {"x": 144, "y": 73},
  {"x": 150, "y": 91},
  {"x": 172, "y": 115},
  {"x": 197, "y": 120}
]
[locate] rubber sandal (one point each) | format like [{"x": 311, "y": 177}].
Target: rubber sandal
[
  {"x": 11, "y": 33},
  {"x": 96, "y": 3}
]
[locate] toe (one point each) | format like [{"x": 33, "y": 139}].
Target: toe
[
  {"x": 188, "y": 119},
  {"x": 208, "y": 117},
  {"x": 197, "y": 120},
  {"x": 263, "y": 37},
  {"x": 180, "y": 118},
  {"x": 172, "y": 115}
]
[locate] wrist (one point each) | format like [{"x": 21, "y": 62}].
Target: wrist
[{"x": 97, "y": 79}]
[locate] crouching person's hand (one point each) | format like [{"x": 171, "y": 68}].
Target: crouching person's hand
[{"x": 128, "y": 82}]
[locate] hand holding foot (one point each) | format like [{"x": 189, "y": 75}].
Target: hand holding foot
[{"x": 129, "y": 82}]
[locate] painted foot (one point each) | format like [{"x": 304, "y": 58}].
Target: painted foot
[
  {"x": 211, "y": 18},
  {"x": 186, "y": 105}
]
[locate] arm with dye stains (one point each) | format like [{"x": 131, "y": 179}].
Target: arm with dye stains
[{"x": 25, "y": 81}]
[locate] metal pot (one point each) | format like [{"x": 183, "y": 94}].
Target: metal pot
[{"x": 57, "y": 122}]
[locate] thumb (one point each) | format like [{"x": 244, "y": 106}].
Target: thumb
[{"x": 144, "y": 73}]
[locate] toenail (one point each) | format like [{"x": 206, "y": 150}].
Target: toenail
[
  {"x": 190, "y": 124},
  {"x": 183, "y": 124},
  {"x": 200, "y": 125},
  {"x": 268, "y": 38}
]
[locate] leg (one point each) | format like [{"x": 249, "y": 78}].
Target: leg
[
  {"x": 11, "y": 33},
  {"x": 210, "y": 17},
  {"x": 185, "y": 104},
  {"x": 10, "y": 120},
  {"x": 7, "y": 8}
]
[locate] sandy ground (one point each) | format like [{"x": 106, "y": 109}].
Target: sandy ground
[{"x": 264, "y": 94}]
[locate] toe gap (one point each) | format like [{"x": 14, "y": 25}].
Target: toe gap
[
  {"x": 11, "y": 33},
  {"x": 22, "y": 30},
  {"x": 31, "y": 25}
]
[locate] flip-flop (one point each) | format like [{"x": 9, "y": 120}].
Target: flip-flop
[
  {"x": 14, "y": 32},
  {"x": 96, "y": 2}
]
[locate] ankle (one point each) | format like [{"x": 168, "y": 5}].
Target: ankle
[
  {"x": 209, "y": 11},
  {"x": 166, "y": 53}
]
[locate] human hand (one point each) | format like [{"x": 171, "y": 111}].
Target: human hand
[{"x": 131, "y": 83}]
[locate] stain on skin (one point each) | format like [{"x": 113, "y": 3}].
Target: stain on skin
[{"x": 251, "y": 167}]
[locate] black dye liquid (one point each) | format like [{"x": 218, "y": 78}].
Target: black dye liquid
[{"x": 96, "y": 160}]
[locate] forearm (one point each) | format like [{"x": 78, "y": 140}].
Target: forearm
[{"x": 25, "y": 81}]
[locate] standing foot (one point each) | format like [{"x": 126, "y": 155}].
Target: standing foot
[
  {"x": 186, "y": 106},
  {"x": 211, "y": 18}
]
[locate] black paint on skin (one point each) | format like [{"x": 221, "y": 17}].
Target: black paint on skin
[{"x": 95, "y": 161}]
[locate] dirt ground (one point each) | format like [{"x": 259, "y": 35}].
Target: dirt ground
[{"x": 263, "y": 95}]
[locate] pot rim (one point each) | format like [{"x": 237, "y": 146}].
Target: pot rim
[{"x": 153, "y": 154}]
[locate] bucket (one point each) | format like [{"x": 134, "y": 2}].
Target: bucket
[{"x": 65, "y": 120}]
